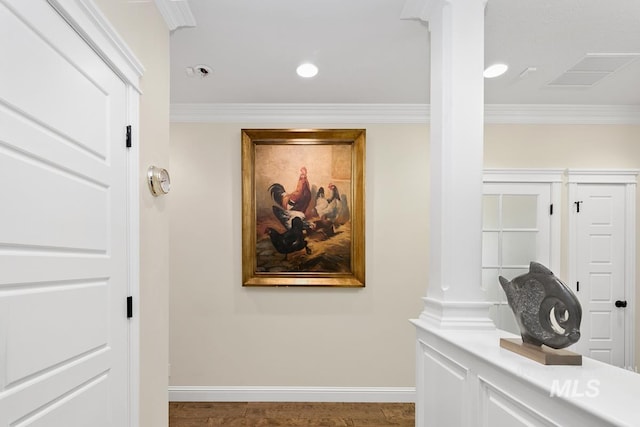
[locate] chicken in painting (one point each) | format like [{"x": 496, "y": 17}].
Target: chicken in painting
[
  {"x": 303, "y": 216},
  {"x": 291, "y": 240},
  {"x": 299, "y": 199}
]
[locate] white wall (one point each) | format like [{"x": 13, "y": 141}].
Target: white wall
[
  {"x": 222, "y": 334},
  {"x": 225, "y": 335},
  {"x": 145, "y": 32},
  {"x": 562, "y": 146}
]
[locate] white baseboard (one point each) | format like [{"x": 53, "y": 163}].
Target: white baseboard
[{"x": 292, "y": 394}]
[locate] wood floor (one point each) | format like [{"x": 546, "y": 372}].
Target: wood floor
[{"x": 258, "y": 414}]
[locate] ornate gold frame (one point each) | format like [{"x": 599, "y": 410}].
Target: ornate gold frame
[{"x": 352, "y": 138}]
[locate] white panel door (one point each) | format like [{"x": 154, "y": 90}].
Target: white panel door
[
  {"x": 63, "y": 227},
  {"x": 600, "y": 269}
]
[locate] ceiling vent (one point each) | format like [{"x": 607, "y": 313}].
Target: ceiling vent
[{"x": 593, "y": 68}]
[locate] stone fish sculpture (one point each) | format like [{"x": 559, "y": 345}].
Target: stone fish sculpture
[{"x": 546, "y": 309}]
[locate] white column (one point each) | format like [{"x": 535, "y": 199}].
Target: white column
[{"x": 454, "y": 295}]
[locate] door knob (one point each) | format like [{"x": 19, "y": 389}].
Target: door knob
[{"x": 621, "y": 304}]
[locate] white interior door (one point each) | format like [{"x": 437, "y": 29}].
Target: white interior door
[
  {"x": 598, "y": 214},
  {"x": 516, "y": 231},
  {"x": 63, "y": 227}
]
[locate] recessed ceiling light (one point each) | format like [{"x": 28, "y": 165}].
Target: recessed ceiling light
[
  {"x": 495, "y": 70},
  {"x": 307, "y": 70}
]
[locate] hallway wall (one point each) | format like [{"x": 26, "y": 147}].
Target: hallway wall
[{"x": 222, "y": 334}]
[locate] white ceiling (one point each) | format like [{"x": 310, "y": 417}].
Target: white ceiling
[{"x": 367, "y": 54}]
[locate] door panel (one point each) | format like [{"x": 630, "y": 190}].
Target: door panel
[
  {"x": 63, "y": 226},
  {"x": 41, "y": 318},
  {"x": 52, "y": 77},
  {"x": 82, "y": 404},
  {"x": 600, "y": 264},
  {"x": 63, "y": 201}
]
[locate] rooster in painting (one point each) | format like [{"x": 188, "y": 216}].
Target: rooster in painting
[
  {"x": 291, "y": 240},
  {"x": 297, "y": 200}
]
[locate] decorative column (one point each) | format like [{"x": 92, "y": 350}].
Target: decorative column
[{"x": 454, "y": 295}]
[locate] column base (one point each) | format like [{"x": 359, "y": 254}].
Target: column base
[{"x": 457, "y": 315}]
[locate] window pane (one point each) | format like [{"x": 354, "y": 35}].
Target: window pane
[
  {"x": 518, "y": 248},
  {"x": 493, "y": 315},
  {"x": 490, "y": 212},
  {"x": 490, "y": 284},
  {"x": 506, "y": 319},
  {"x": 519, "y": 211},
  {"x": 490, "y": 250},
  {"x": 512, "y": 273}
]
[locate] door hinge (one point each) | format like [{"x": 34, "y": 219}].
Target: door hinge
[
  {"x": 128, "y": 136},
  {"x": 551, "y": 209},
  {"x": 577, "y": 206},
  {"x": 129, "y": 307}
]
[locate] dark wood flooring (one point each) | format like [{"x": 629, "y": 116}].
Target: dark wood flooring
[{"x": 258, "y": 414}]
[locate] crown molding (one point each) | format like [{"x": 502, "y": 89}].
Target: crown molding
[
  {"x": 399, "y": 113},
  {"x": 523, "y": 175},
  {"x": 562, "y": 114},
  {"x": 602, "y": 176},
  {"x": 300, "y": 113},
  {"x": 176, "y": 13},
  {"x": 423, "y": 10}
]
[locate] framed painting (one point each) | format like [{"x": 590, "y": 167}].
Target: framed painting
[{"x": 303, "y": 207}]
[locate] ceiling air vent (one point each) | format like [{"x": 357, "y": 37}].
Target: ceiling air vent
[{"x": 593, "y": 68}]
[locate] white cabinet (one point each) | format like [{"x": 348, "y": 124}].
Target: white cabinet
[{"x": 465, "y": 379}]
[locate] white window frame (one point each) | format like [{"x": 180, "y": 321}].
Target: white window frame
[{"x": 551, "y": 177}]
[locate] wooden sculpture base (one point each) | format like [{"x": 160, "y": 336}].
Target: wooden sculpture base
[{"x": 543, "y": 354}]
